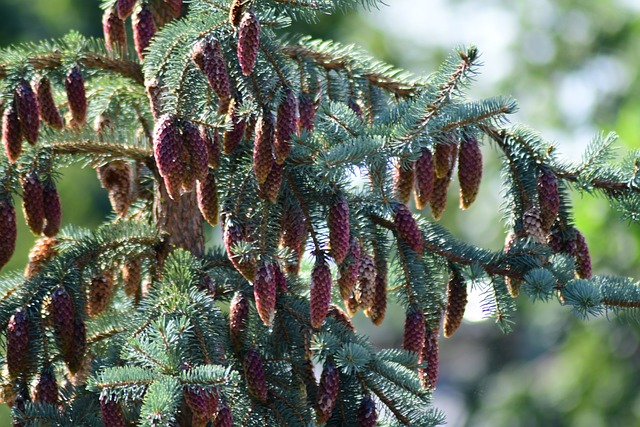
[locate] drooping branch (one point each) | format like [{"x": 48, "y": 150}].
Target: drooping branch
[{"x": 141, "y": 154}]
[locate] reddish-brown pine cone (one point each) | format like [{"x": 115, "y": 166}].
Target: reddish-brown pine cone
[
  {"x": 46, "y": 390},
  {"x": 548, "y": 197},
  {"x": 286, "y": 126},
  {"x": 27, "y": 107},
  {"x": 294, "y": 234},
  {"x": 100, "y": 293},
  {"x": 307, "y": 111},
  {"x": 254, "y": 375},
  {"x": 52, "y": 209},
  {"x": 444, "y": 158},
  {"x": 43, "y": 250},
  {"x": 583, "y": 258},
  {"x": 75, "y": 358},
  {"x": 562, "y": 240},
  {"x": 378, "y": 310},
  {"x": 281, "y": 279},
  {"x": 207, "y": 195},
  {"x": 47, "y": 107},
  {"x": 18, "y": 343},
  {"x": 76, "y": 96},
  {"x": 115, "y": 35},
  {"x": 532, "y": 225},
  {"x": 236, "y": 11},
  {"x": 167, "y": 146},
  {"x": 320, "y": 297},
  {"x": 414, "y": 331},
  {"x": 351, "y": 304},
  {"x": 203, "y": 403},
  {"x": 131, "y": 276},
  {"x": 348, "y": 270},
  {"x": 197, "y": 150},
  {"x": 469, "y": 170},
  {"x": 403, "y": 181},
  {"x": 365, "y": 290},
  {"x": 513, "y": 285},
  {"x": 235, "y": 128},
  {"x": 11, "y": 133},
  {"x": 224, "y": 418},
  {"x": 424, "y": 178},
  {"x": 438, "y": 201},
  {"x": 117, "y": 178},
  {"x": 144, "y": 28},
  {"x": 154, "y": 93},
  {"x": 175, "y": 7},
  {"x": 8, "y": 231},
  {"x": 270, "y": 189},
  {"x": 456, "y": 303},
  {"x": 339, "y": 229},
  {"x": 63, "y": 319},
  {"x": 124, "y": 8},
  {"x": 264, "y": 291},
  {"x": 208, "y": 57},
  {"x": 341, "y": 316},
  {"x": 32, "y": 202},
  {"x": 248, "y": 42},
  {"x": 262, "y": 147},
  {"x": 213, "y": 145},
  {"x": 327, "y": 395},
  {"x": 407, "y": 227},
  {"x": 430, "y": 354},
  {"x": 367, "y": 415},
  {"x": 112, "y": 414},
  {"x": 238, "y": 314},
  {"x": 232, "y": 235},
  {"x": 250, "y": 128}
]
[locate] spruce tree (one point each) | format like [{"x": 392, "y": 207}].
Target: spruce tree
[{"x": 306, "y": 153}]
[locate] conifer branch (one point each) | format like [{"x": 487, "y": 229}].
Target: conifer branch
[{"x": 139, "y": 154}]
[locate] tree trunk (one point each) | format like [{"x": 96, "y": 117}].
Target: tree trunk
[{"x": 180, "y": 219}]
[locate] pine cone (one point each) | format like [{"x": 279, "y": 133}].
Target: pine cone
[
  {"x": 254, "y": 375},
  {"x": 236, "y": 11},
  {"x": 264, "y": 291},
  {"x": 270, "y": 189},
  {"x": 18, "y": 343},
  {"x": 532, "y": 225},
  {"x": 52, "y": 209},
  {"x": 213, "y": 146},
  {"x": 111, "y": 411},
  {"x": 424, "y": 175},
  {"x": 115, "y": 34},
  {"x": 348, "y": 270},
  {"x": 262, "y": 147},
  {"x": 548, "y": 197},
  {"x": 351, "y": 304},
  {"x": 236, "y": 126},
  {"x": 407, "y": 227},
  {"x": 47, "y": 108},
  {"x": 224, "y": 417},
  {"x": 27, "y": 107},
  {"x": 583, "y": 258},
  {"x": 203, "y": 404},
  {"x": 562, "y": 240},
  {"x": 232, "y": 235},
  {"x": 131, "y": 276},
  {"x": 366, "y": 286},
  {"x": 197, "y": 150},
  {"x": 75, "y": 358},
  {"x": 209, "y": 58},
  {"x": 378, "y": 310},
  {"x": 124, "y": 8},
  {"x": 76, "y": 96},
  {"x": 438, "y": 201},
  {"x": 100, "y": 293},
  {"x": 341, "y": 317},
  {"x": 167, "y": 145},
  {"x": 320, "y": 297},
  {"x": 207, "y": 194},
  {"x": 11, "y": 133},
  {"x": 144, "y": 28},
  {"x": 339, "y": 229},
  {"x": 286, "y": 126},
  {"x": 32, "y": 202},
  {"x": 8, "y": 231},
  {"x": 63, "y": 319},
  {"x": 248, "y": 42},
  {"x": 294, "y": 233},
  {"x": 238, "y": 314},
  {"x": 117, "y": 178},
  {"x": 456, "y": 303},
  {"x": 307, "y": 110},
  {"x": 444, "y": 158},
  {"x": 414, "y": 331},
  {"x": 281, "y": 280},
  {"x": 367, "y": 416},
  {"x": 430, "y": 354},
  {"x": 327, "y": 395},
  {"x": 46, "y": 388},
  {"x": 403, "y": 181},
  {"x": 41, "y": 253},
  {"x": 469, "y": 170}
]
